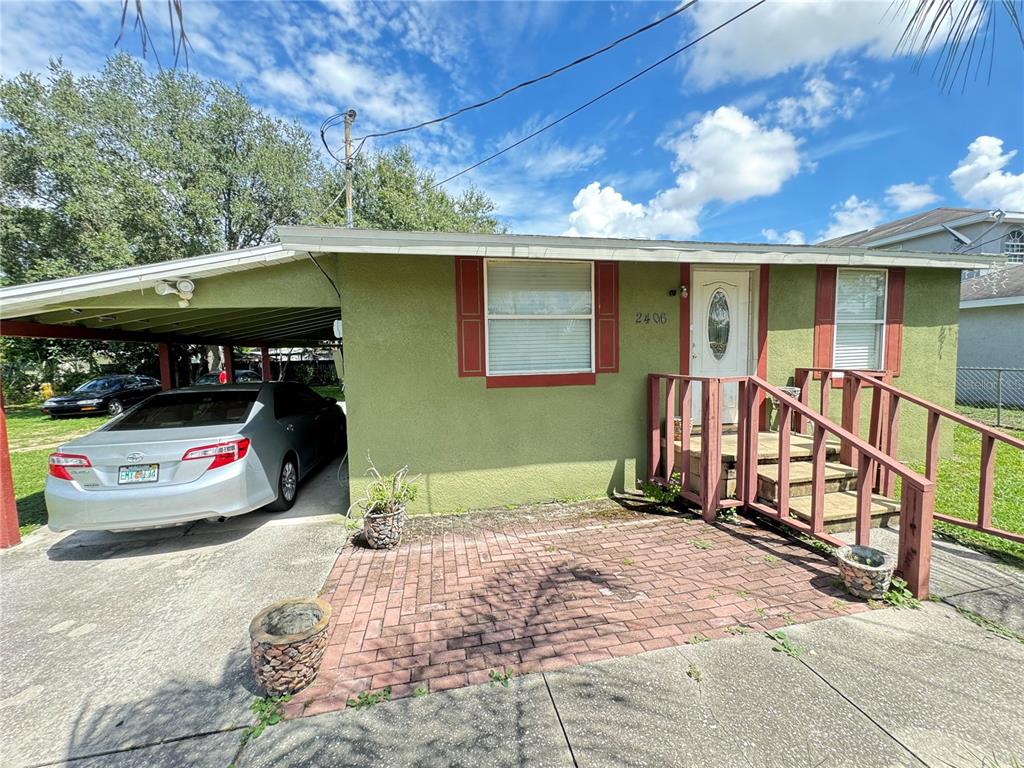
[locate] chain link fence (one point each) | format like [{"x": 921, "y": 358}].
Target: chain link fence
[{"x": 994, "y": 396}]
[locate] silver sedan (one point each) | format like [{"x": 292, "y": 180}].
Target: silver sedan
[{"x": 194, "y": 453}]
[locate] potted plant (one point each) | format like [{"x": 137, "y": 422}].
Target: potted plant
[
  {"x": 384, "y": 507},
  {"x": 866, "y": 572}
]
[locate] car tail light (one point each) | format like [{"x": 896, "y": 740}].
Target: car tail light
[
  {"x": 59, "y": 463},
  {"x": 221, "y": 453}
]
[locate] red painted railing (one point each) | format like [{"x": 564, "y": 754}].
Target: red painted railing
[
  {"x": 664, "y": 402},
  {"x": 884, "y": 432}
]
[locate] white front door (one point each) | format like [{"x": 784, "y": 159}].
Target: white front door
[{"x": 719, "y": 333}]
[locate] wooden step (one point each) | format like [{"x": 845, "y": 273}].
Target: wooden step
[
  {"x": 841, "y": 510},
  {"x": 838, "y": 477},
  {"x": 767, "y": 447}
]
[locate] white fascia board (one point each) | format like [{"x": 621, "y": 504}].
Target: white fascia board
[
  {"x": 336, "y": 240},
  {"x": 18, "y": 300},
  {"x": 1000, "y": 301}
]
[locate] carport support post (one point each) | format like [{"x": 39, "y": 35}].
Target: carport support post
[
  {"x": 229, "y": 364},
  {"x": 9, "y": 533},
  {"x": 165, "y": 365},
  {"x": 265, "y": 364}
]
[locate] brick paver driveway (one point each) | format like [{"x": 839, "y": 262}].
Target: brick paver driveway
[{"x": 446, "y": 608}]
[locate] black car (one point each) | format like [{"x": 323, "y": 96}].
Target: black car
[
  {"x": 241, "y": 377},
  {"x": 104, "y": 394}
]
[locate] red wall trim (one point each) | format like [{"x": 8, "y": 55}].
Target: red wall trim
[
  {"x": 762, "y": 335},
  {"x": 606, "y": 316},
  {"x": 894, "y": 319},
  {"x": 469, "y": 314},
  {"x": 541, "y": 380},
  {"x": 824, "y": 317},
  {"x": 685, "y": 289}
]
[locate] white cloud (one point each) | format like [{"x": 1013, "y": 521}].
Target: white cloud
[
  {"x": 820, "y": 103},
  {"x": 780, "y": 36},
  {"x": 910, "y": 197},
  {"x": 725, "y": 156},
  {"x": 853, "y": 215},
  {"x": 789, "y": 237},
  {"x": 981, "y": 180}
]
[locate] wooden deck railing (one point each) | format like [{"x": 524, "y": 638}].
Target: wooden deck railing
[
  {"x": 670, "y": 394},
  {"x": 884, "y": 431}
]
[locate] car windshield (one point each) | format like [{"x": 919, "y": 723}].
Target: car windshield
[
  {"x": 189, "y": 409},
  {"x": 98, "y": 385}
]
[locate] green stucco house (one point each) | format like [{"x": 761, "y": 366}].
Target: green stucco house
[{"x": 509, "y": 369}]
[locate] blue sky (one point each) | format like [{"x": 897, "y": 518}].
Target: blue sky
[{"x": 795, "y": 123}]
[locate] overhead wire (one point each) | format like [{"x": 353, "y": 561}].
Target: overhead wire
[
  {"x": 601, "y": 95},
  {"x": 334, "y": 119}
]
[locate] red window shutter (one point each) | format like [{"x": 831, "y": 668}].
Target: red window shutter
[
  {"x": 894, "y": 320},
  {"x": 469, "y": 313},
  {"x": 606, "y": 343},
  {"x": 824, "y": 317}
]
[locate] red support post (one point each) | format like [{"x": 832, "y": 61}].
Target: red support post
[
  {"x": 165, "y": 365},
  {"x": 668, "y": 459},
  {"x": 851, "y": 416},
  {"x": 915, "y": 548},
  {"x": 229, "y": 363},
  {"x": 986, "y": 484},
  {"x": 685, "y": 431},
  {"x": 653, "y": 425},
  {"x": 803, "y": 381},
  {"x": 9, "y": 533},
  {"x": 746, "y": 469},
  {"x": 711, "y": 449},
  {"x": 865, "y": 483},
  {"x": 265, "y": 368},
  {"x": 782, "y": 478},
  {"x": 818, "y": 480},
  {"x": 931, "y": 457}
]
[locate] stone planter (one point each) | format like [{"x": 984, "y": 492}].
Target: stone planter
[
  {"x": 866, "y": 572},
  {"x": 287, "y": 641},
  {"x": 383, "y": 531}
]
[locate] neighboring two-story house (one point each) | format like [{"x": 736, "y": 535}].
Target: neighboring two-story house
[{"x": 991, "y": 300}]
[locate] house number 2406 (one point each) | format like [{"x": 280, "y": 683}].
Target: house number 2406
[{"x": 646, "y": 318}]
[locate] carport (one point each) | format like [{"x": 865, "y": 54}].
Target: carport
[{"x": 263, "y": 297}]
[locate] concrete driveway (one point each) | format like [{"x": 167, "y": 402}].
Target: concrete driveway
[{"x": 113, "y": 641}]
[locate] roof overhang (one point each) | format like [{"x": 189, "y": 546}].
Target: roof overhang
[
  {"x": 999, "y": 301},
  {"x": 1011, "y": 217},
  {"x": 385, "y": 242}
]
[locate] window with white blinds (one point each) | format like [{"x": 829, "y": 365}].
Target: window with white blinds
[
  {"x": 540, "y": 317},
  {"x": 860, "y": 319}
]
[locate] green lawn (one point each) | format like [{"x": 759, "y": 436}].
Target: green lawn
[
  {"x": 956, "y": 494},
  {"x": 33, "y": 436}
]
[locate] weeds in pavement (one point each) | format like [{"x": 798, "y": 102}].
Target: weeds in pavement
[
  {"x": 268, "y": 712},
  {"x": 784, "y": 645},
  {"x": 693, "y": 672},
  {"x": 698, "y": 638},
  {"x": 421, "y": 691},
  {"x": 502, "y": 677},
  {"x": 367, "y": 699},
  {"x": 898, "y": 596}
]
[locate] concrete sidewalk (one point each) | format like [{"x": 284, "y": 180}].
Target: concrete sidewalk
[{"x": 886, "y": 688}]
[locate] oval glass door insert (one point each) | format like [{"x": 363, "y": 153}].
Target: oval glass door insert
[{"x": 718, "y": 324}]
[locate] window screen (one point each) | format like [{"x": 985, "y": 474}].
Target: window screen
[
  {"x": 540, "y": 317},
  {"x": 860, "y": 319}
]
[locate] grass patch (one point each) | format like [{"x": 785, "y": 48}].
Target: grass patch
[
  {"x": 956, "y": 495},
  {"x": 33, "y": 436}
]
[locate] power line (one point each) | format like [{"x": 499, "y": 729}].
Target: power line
[
  {"x": 600, "y": 96},
  {"x": 336, "y": 118}
]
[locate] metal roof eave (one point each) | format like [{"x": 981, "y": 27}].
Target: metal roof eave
[
  {"x": 335, "y": 240},
  {"x": 17, "y": 300}
]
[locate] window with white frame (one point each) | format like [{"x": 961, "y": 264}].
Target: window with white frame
[
  {"x": 860, "y": 319},
  {"x": 1013, "y": 247},
  {"x": 540, "y": 317}
]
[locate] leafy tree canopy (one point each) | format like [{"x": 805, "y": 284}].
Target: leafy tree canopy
[{"x": 127, "y": 167}]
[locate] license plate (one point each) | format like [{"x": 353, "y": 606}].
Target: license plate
[{"x": 138, "y": 473}]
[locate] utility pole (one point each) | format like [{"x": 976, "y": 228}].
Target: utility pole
[{"x": 350, "y": 117}]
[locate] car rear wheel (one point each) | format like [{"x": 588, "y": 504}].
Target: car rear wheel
[
  {"x": 115, "y": 407},
  {"x": 287, "y": 486}
]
